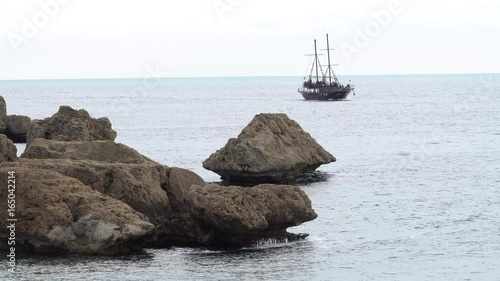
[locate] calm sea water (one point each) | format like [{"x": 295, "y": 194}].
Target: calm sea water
[{"x": 414, "y": 195}]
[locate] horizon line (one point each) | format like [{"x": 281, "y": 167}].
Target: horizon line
[{"x": 243, "y": 76}]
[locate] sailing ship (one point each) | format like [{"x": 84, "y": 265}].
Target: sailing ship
[{"x": 329, "y": 86}]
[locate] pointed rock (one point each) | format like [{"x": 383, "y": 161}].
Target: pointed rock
[
  {"x": 272, "y": 148},
  {"x": 69, "y": 124}
]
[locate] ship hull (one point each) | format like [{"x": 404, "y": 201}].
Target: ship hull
[{"x": 326, "y": 96}]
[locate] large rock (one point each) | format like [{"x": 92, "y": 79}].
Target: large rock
[
  {"x": 141, "y": 186},
  {"x": 152, "y": 189},
  {"x": 272, "y": 148},
  {"x": 59, "y": 214},
  {"x": 69, "y": 124},
  {"x": 17, "y": 127},
  {"x": 168, "y": 197},
  {"x": 3, "y": 108},
  {"x": 178, "y": 228},
  {"x": 155, "y": 190},
  {"x": 242, "y": 215},
  {"x": 105, "y": 151},
  {"x": 8, "y": 151}
]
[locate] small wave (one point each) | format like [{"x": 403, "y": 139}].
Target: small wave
[{"x": 269, "y": 241}]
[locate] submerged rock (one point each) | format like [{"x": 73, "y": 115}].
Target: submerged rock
[
  {"x": 272, "y": 148},
  {"x": 8, "y": 151},
  {"x": 59, "y": 214},
  {"x": 69, "y": 124}
]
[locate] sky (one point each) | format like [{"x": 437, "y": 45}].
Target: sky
[{"x": 54, "y": 39}]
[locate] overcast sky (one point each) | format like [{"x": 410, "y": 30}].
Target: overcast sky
[{"x": 193, "y": 38}]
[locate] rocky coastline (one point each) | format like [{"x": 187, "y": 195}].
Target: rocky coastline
[{"x": 80, "y": 192}]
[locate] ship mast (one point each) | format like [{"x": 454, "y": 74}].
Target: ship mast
[
  {"x": 329, "y": 65},
  {"x": 316, "y": 60},
  {"x": 331, "y": 74}
]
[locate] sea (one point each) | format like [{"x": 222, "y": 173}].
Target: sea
[{"x": 414, "y": 194}]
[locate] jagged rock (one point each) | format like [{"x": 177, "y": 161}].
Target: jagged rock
[
  {"x": 178, "y": 228},
  {"x": 3, "y": 108},
  {"x": 138, "y": 185},
  {"x": 245, "y": 215},
  {"x": 171, "y": 198},
  {"x": 3, "y": 127},
  {"x": 272, "y": 148},
  {"x": 14, "y": 127},
  {"x": 17, "y": 127},
  {"x": 105, "y": 151},
  {"x": 155, "y": 190},
  {"x": 3, "y": 114},
  {"x": 69, "y": 124},
  {"x": 180, "y": 180},
  {"x": 8, "y": 151},
  {"x": 59, "y": 214}
]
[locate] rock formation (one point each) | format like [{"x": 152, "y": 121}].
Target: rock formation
[
  {"x": 8, "y": 151},
  {"x": 3, "y": 127},
  {"x": 243, "y": 216},
  {"x": 17, "y": 127},
  {"x": 83, "y": 193},
  {"x": 138, "y": 185},
  {"x": 272, "y": 148},
  {"x": 14, "y": 127},
  {"x": 59, "y": 214},
  {"x": 69, "y": 124},
  {"x": 106, "y": 151},
  {"x": 3, "y": 108}
]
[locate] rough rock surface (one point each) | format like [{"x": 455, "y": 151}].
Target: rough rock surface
[
  {"x": 152, "y": 189},
  {"x": 138, "y": 185},
  {"x": 3, "y": 108},
  {"x": 59, "y": 214},
  {"x": 185, "y": 210},
  {"x": 272, "y": 148},
  {"x": 17, "y": 127},
  {"x": 178, "y": 227},
  {"x": 69, "y": 124},
  {"x": 8, "y": 151},
  {"x": 234, "y": 209},
  {"x": 105, "y": 151},
  {"x": 155, "y": 190},
  {"x": 233, "y": 212},
  {"x": 3, "y": 127}
]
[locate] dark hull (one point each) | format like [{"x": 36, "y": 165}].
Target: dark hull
[{"x": 324, "y": 96}]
